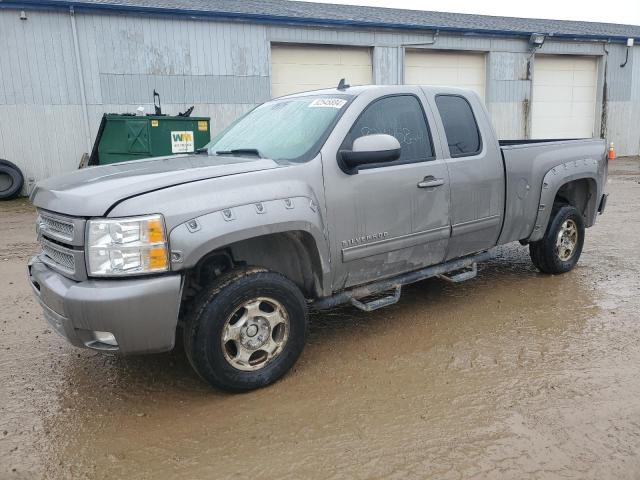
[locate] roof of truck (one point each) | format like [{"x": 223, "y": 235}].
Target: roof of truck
[{"x": 293, "y": 12}]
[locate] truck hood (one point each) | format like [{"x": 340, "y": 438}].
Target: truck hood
[{"x": 93, "y": 191}]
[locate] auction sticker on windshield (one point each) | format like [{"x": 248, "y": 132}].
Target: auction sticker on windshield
[{"x": 327, "y": 103}]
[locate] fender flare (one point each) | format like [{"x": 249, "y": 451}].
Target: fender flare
[
  {"x": 553, "y": 180},
  {"x": 190, "y": 242}
]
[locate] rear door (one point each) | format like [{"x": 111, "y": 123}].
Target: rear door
[
  {"x": 387, "y": 218},
  {"x": 476, "y": 173}
]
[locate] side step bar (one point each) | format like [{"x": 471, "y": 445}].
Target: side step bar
[
  {"x": 462, "y": 276},
  {"x": 395, "y": 283},
  {"x": 378, "y": 303}
]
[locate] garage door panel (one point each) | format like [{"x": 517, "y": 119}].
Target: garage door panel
[
  {"x": 436, "y": 76},
  {"x": 549, "y": 127},
  {"x": 564, "y": 96},
  {"x": 289, "y": 88},
  {"x": 298, "y": 68},
  {"x": 585, "y": 64},
  {"x": 554, "y": 109},
  {"x": 433, "y": 60},
  {"x": 582, "y": 109},
  {"x": 582, "y": 123},
  {"x": 554, "y": 63},
  {"x": 550, "y": 93},
  {"x": 551, "y": 77},
  {"x": 583, "y": 94},
  {"x": 584, "y": 78},
  {"x": 355, "y": 57},
  {"x": 465, "y": 70},
  {"x": 305, "y": 55}
]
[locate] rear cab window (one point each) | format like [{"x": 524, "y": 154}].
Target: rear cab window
[
  {"x": 460, "y": 126},
  {"x": 400, "y": 116}
]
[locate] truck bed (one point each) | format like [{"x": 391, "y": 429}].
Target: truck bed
[{"x": 526, "y": 162}]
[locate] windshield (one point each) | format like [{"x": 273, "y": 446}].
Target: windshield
[{"x": 291, "y": 129}]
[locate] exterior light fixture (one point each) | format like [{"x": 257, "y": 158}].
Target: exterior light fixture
[
  {"x": 537, "y": 39},
  {"x": 626, "y": 59}
]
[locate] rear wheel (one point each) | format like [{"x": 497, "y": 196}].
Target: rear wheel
[
  {"x": 560, "y": 248},
  {"x": 247, "y": 330}
]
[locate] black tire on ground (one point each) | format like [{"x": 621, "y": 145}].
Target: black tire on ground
[
  {"x": 545, "y": 254},
  {"x": 217, "y": 305},
  {"x": 11, "y": 180}
]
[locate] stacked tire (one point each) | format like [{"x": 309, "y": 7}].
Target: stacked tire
[{"x": 11, "y": 180}]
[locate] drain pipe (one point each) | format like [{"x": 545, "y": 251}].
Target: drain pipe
[{"x": 83, "y": 96}]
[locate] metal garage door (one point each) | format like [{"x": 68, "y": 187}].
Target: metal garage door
[
  {"x": 454, "y": 69},
  {"x": 297, "y": 68},
  {"x": 564, "y": 96}
]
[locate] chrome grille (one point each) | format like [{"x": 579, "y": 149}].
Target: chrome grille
[
  {"x": 56, "y": 227},
  {"x": 62, "y": 240},
  {"x": 58, "y": 256}
]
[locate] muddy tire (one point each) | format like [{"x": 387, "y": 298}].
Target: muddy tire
[
  {"x": 246, "y": 330},
  {"x": 560, "y": 248}
]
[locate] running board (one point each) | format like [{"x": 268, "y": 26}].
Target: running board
[
  {"x": 379, "y": 302},
  {"x": 353, "y": 294},
  {"x": 462, "y": 276}
]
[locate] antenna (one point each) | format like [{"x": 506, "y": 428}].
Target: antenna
[{"x": 342, "y": 85}]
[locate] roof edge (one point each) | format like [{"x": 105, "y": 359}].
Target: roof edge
[{"x": 79, "y": 6}]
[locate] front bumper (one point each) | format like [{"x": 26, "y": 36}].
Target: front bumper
[{"x": 141, "y": 313}]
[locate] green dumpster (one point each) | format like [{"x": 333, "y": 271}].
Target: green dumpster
[{"x": 124, "y": 137}]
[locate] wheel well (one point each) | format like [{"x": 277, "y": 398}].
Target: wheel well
[
  {"x": 292, "y": 254},
  {"x": 580, "y": 193}
]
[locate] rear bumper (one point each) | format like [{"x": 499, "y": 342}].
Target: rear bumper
[{"x": 141, "y": 314}]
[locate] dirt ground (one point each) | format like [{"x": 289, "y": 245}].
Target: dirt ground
[{"x": 514, "y": 374}]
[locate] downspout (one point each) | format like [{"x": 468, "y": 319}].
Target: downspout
[
  {"x": 83, "y": 96},
  {"x": 603, "y": 115}
]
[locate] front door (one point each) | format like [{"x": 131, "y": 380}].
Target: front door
[{"x": 394, "y": 217}]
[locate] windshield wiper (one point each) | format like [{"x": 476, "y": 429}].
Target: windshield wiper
[{"x": 240, "y": 151}]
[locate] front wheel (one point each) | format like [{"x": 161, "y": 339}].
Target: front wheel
[
  {"x": 247, "y": 329},
  {"x": 560, "y": 248}
]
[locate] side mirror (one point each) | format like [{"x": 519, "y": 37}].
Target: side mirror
[{"x": 377, "y": 148}]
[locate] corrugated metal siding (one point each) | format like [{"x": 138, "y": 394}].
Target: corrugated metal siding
[
  {"x": 223, "y": 68},
  {"x": 508, "y": 93},
  {"x": 386, "y": 63},
  {"x": 623, "y": 105}
]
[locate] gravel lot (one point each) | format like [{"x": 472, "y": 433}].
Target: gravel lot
[{"x": 514, "y": 374}]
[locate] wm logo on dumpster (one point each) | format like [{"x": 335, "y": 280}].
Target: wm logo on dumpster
[{"x": 182, "y": 142}]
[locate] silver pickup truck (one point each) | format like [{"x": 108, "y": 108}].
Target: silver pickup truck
[{"x": 308, "y": 201}]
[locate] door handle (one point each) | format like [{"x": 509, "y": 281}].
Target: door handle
[{"x": 430, "y": 181}]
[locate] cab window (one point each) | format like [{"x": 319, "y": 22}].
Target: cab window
[{"x": 460, "y": 127}]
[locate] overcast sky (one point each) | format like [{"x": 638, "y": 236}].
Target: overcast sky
[{"x": 610, "y": 11}]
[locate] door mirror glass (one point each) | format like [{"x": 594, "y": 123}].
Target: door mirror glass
[{"x": 377, "y": 148}]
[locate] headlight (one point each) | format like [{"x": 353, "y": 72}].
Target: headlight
[{"x": 127, "y": 246}]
